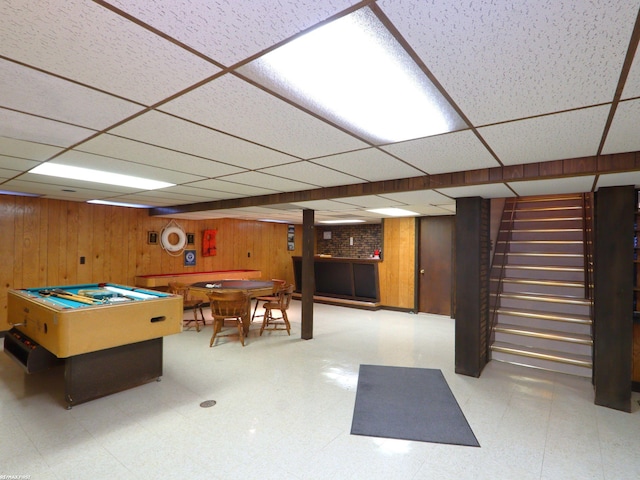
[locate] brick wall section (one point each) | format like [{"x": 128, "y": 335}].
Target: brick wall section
[{"x": 366, "y": 239}]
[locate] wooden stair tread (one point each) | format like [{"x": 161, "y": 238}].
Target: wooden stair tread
[
  {"x": 552, "y": 283},
  {"x": 552, "y": 316},
  {"x": 541, "y": 297},
  {"x": 550, "y": 355},
  {"x": 542, "y": 254},
  {"x": 544, "y": 333}
]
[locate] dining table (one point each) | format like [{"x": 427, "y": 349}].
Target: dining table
[{"x": 254, "y": 288}]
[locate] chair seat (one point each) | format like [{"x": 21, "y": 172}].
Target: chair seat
[
  {"x": 229, "y": 306},
  {"x": 281, "y": 304},
  {"x": 177, "y": 288}
]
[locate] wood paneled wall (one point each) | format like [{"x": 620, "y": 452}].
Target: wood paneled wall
[
  {"x": 42, "y": 241},
  {"x": 398, "y": 267}
]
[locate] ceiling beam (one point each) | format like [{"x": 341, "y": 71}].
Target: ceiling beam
[{"x": 572, "y": 167}]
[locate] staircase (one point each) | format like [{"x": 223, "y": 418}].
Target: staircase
[{"x": 541, "y": 315}]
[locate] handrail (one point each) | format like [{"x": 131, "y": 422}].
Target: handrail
[
  {"x": 509, "y": 231},
  {"x": 587, "y": 237}
]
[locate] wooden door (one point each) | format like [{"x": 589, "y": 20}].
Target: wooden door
[{"x": 435, "y": 264}]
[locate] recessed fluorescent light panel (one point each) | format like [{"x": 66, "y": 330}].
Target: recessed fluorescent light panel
[
  {"x": 98, "y": 176},
  {"x": 356, "y": 74},
  {"x": 341, "y": 221},
  {"x": 18, "y": 194},
  {"x": 394, "y": 212},
  {"x": 118, "y": 204}
]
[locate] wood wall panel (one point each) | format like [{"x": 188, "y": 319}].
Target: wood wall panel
[
  {"x": 43, "y": 241},
  {"x": 397, "y": 269}
]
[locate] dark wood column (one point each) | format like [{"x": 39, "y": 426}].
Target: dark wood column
[
  {"x": 472, "y": 285},
  {"x": 308, "y": 274},
  {"x": 613, "y": 296}
]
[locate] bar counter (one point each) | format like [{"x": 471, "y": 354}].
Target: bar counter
[{"x": 352, "y": 280}]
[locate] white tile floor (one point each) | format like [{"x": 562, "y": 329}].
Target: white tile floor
[{"x": 284, "y": 408}]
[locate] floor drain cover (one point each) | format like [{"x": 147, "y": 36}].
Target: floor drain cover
[{"x": 208, "y": 403}]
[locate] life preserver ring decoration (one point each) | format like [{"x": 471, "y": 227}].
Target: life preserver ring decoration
[{"x": 166, "y": 236}]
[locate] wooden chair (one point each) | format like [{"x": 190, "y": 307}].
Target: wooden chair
[
  {"x": 277, "y": 285},
  {"x": 271, "y": 322},
  {"x": 195, "y": 304},
  {"x": 233, "y": 306}
]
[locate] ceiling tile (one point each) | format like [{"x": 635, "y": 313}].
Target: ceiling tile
[
  {"x": 35, "y": 129},
  {"x": 420, "y": 197},
  {"x": 231, "y": 30},
  {"x": 166, "y": 131},
  {"x": 108, "y": 164},
  {"x": 495, "y": 190},
  {"x": 232, "y": 105},
  {"x": 617, "y": 179},
  {"x": 232, "y": 190},
  {"x": 632, "y": 85},
  {"x": 28, "y": 150},
  {"x": 554, "y": 186},
  {"x": 328, "y": 205},
  {"x": 310, "y": 173},
  {"x": 89, "y": 43},
  {"x": 370, "y": 164},
  {"x": 37, "y": 93},
  {"x": 118, "y": 147},
  {"x": 276, "y": 184},
  {"x": 17, "y": 164},
  {"x": 552, "y": 137},
  {"x": 368, "y": 201},
  {"x": 624, "y": 134},
  {"x": 504, "y": 60},
  {"x": 30, "y": 184},
  {"x": 446, "y": 153}
]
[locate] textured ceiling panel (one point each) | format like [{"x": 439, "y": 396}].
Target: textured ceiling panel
[
  {"x": 169, "y": 132},
  {"x": 35, "y": 129},
  {"x": 24, "y": 149},
  {"x": 535, "y": 78},
  {"x": 276, "y": 184},
  {"x": 444, "y": 153},
  {"x": 419, "y": 197},
  {"x": 615, "y": 179},
  {"x": 370, "y": 164},
  {"x": 228, "y": 31},
  {"x": 624, "y": 134},
  {"x": 309, "y": 173},
  {"x": 551, "y": 137},
  {"x": 369, "y": 201},
  {"x": 528, "y": 58},
  {"x": 37, "y": 93},
  {"x": 236, "y": 107},
  {"x": 497, "y": 190},
  {"x": 632, "y": 86},
  {"x": 231, "y": 190},
  {"x": 554, "y": 186},
  {"x": 17, "y": 164},
  {"x": 117, "y": 147},
  {"x": 84, "y": 41},
  {"x": 113, "y": 165}
]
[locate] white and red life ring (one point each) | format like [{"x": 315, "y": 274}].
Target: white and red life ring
[{"x": 165, "y": 239}]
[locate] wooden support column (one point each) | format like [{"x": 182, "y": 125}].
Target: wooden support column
[
  {"x": 613, "y": 296},
  {"x": 472, "y": 285},
  {"x": 308, "y": 273}
]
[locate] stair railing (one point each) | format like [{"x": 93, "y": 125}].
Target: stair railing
[
  {"x": 496, "y": 298},
  {"x": 587, "y": 238}
]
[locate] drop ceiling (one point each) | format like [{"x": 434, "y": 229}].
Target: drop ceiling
[{"x": 164, "y": 90}]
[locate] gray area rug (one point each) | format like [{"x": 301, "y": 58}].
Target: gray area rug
[{"x": 409, "y": 404}]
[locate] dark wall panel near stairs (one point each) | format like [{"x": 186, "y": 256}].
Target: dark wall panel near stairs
[
  {"x": 472, "y": 285},
  {"x": 613, "y": 296}
]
